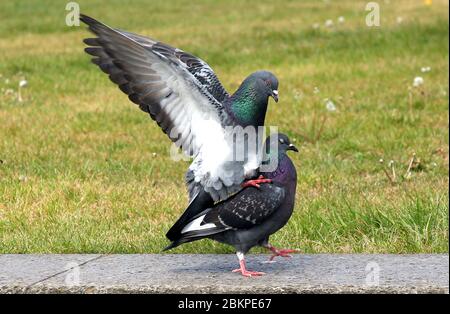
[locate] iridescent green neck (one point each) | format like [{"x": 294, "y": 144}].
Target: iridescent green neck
[{"x": 248, "y": 106}]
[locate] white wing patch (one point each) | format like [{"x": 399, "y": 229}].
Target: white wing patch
[{"x": 195, "y": 225}]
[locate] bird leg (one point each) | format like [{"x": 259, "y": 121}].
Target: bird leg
[
  {"x": 256, "y": 182},
  {"x": 279, "y": 252},
  {"x": 243, "y": 269}
]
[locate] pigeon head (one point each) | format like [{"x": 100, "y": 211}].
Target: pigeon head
[
  {"x": 279, "y": 142},
  {"x": 267, "y": 83},
  {"x": 276, "y": 164},
  {"x": 249, "y": 102}
]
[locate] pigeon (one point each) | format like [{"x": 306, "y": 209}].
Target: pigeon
[
  {"x": 184, "y": 96},
  {"x": 247, "y": 218}
]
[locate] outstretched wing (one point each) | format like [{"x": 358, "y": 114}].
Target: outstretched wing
[
  {"x": 244, "y": 210},
  {"x": 179, "y": 91},
  {"x": 196, "y": 66}
]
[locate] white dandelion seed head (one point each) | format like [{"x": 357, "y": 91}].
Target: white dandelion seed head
[
  {"x": 329, "y": 104},
  {"x": 418, "y": 80},
  {"x": 399, "y": 20},
  {"x": 329, "y": 23},
  {"x": 425, "y": 69},
  {"x": 23, "y": 83},
  {"x": 341, "y": 19},
  {"x": 316, "y": 90},
  {"x": 23, "y": 178}
]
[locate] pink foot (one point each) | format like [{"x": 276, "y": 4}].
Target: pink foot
[
  {"x": 281, "y": 252},
  {"x": 256, "y": 182},
  {"x": 247, "y": 273}
]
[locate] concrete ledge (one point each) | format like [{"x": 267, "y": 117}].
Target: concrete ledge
[{"x": 185, "y": 273}]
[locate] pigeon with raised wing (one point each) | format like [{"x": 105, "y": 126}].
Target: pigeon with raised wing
[{"x": 184, "y": 96}]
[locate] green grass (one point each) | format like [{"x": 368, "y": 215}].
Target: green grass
[{"x": 83, "y": 170}]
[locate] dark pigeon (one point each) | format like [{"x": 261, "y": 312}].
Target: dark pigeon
[
  {"x": 184, "y": 96},
  {"x": 249, "y": 217}
]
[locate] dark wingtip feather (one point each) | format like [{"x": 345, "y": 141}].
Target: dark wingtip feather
[
  {"x": 94, "y": 51},
  {"x": 88, "y": 20},
  {"x": 198, "y": 204},
  {"x": 171, "y": 246},
  {"x": 134, "y": 98},
  {"x": 91, "y": 41}
]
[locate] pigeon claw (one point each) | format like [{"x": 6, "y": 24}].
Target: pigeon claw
[
  {"x": 281, "y": 252},
  {"x": 256, "y": 182},
  {"x": 248, "y": 273}
]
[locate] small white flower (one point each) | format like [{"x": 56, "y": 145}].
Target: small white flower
[
  {"x": 341, "y": 19},
  {"x": 316, "y": 25},
  {"x": 316, "y": 90},
  {"x": 418, "y": 81},
  {"x": 329, "y": 104},
  {"x": 329, "y": 23},
  {"x": 154, "y": 154},
  {"x": 23, "y": 178},
  {"x": 425, "y": 69},
  {"x": 23, "y": 83},
  {"x": 399, "y": 20}
]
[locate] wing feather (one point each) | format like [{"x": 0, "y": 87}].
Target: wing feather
[
  {"x": 180, "y": 92},
  {"x": 247, "y": 208},
  {"x": 162, "y": 80}
]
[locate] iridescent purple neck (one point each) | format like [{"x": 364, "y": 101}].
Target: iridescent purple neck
[{"x": 285, "y": 171}]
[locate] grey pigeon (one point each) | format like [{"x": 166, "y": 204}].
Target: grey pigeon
[
  {"x": 249, "y": 217},
  {"x": 184, "y": 96}
]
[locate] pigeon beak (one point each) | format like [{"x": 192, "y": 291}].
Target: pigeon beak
[
  {"x": 292, "y": 147},
  {"x": 275, "y": 95}
]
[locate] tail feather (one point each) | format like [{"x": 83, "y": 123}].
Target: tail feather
[
  {"x": 193, "y": 236},
  {"x": 198, "y": 204},
  {"x": 176, "y": 243}
]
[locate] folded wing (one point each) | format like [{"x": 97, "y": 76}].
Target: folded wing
[{"x": 244, "y": 210}]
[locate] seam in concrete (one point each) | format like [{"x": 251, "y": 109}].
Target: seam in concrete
[{"x": 64, "y": 271}]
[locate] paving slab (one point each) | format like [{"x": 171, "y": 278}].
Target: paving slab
[{"x": 210, "y": 273}]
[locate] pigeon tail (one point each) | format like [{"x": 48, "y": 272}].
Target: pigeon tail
[
  {"x": 178, "y": 242},
  {"x": 198, "y": 204},
  {"x": 194, "y": 235}
]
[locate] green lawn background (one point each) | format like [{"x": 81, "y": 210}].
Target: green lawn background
[{"x": 83, "y": 170}]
